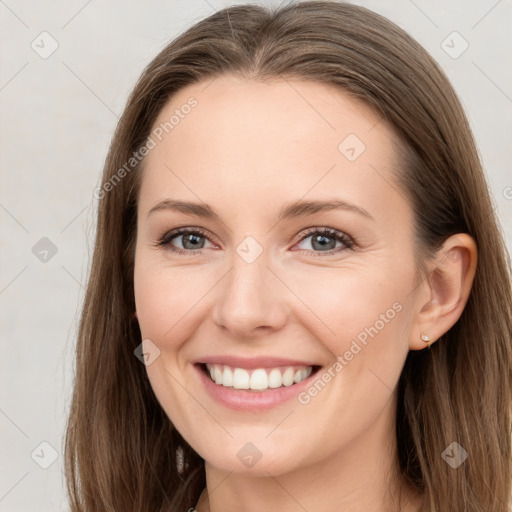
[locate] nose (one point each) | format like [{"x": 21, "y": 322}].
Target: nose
[{"x": 252, "y": 301}]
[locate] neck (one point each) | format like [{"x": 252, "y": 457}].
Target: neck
[{"x": 361, "y": 477}]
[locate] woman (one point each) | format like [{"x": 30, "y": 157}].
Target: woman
[{"x": 299, "y": 296}]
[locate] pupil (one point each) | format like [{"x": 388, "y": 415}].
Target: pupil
[
  {"x": 320, "y": 241},
  {"x": 323, "y": 243},
  {"x": 188, "y": 238}
]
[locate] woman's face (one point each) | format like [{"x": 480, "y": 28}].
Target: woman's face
[{"x": 313, "y": 308}]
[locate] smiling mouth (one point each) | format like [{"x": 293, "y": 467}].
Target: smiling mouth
[{"x": 258, "y": 379}]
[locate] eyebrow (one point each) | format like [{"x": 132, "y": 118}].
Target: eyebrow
[{"x": 292, "y": 210}]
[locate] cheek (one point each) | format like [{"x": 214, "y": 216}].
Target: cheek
[
  {"x": 165, "y": 298},
  {"x": 362, "y": 318},
  {"x": 347, "y": 304},
  {"x": 337, "y": 305},
  {"x": 334, "y": 310}
]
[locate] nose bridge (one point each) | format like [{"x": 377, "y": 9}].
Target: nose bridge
[{"x": 251, "y": 295}]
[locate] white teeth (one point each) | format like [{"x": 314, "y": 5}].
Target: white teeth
[
  {"x": 241, "y": 379},
  {"x": 227, "y": 377},
  {"x": 275, "y": 379},
  {"x": 259, "y": 379},
  {"x": 288, "y": 377}
]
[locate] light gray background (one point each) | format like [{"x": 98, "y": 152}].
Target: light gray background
[{"x": 58, "y": 116}]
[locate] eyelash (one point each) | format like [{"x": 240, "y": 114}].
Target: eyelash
[{"x": 348, "y": 242}]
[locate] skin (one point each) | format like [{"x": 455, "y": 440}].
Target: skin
[{"x": 247, "y": 149}]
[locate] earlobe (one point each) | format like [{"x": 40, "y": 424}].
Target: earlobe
[
  {"x": 448, "y": 283},
  {"x": 426, "y": 338}
]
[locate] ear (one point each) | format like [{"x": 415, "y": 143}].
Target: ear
[
  {"x": 135, "y": 315},
  {"x": 445, "y": 290}
]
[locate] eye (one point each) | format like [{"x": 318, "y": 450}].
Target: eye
[
  {"x": 324, "y": 240},
  {"x": 192, "y": 240}
]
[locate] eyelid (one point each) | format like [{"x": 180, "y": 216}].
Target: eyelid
[
  {"x": 165, "y": 240},
  {"x": 347, "y": 240}
]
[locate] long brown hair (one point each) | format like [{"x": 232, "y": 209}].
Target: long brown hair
[{"x": 121, "y": 449}]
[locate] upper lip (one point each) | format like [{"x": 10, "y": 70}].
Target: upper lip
[{"x": 253, "y": 362}]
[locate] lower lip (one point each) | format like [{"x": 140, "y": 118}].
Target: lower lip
[{"x": 245, "y": 400}]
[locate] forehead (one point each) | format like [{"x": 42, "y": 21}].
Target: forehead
[{"x": 254, "y": 140}]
